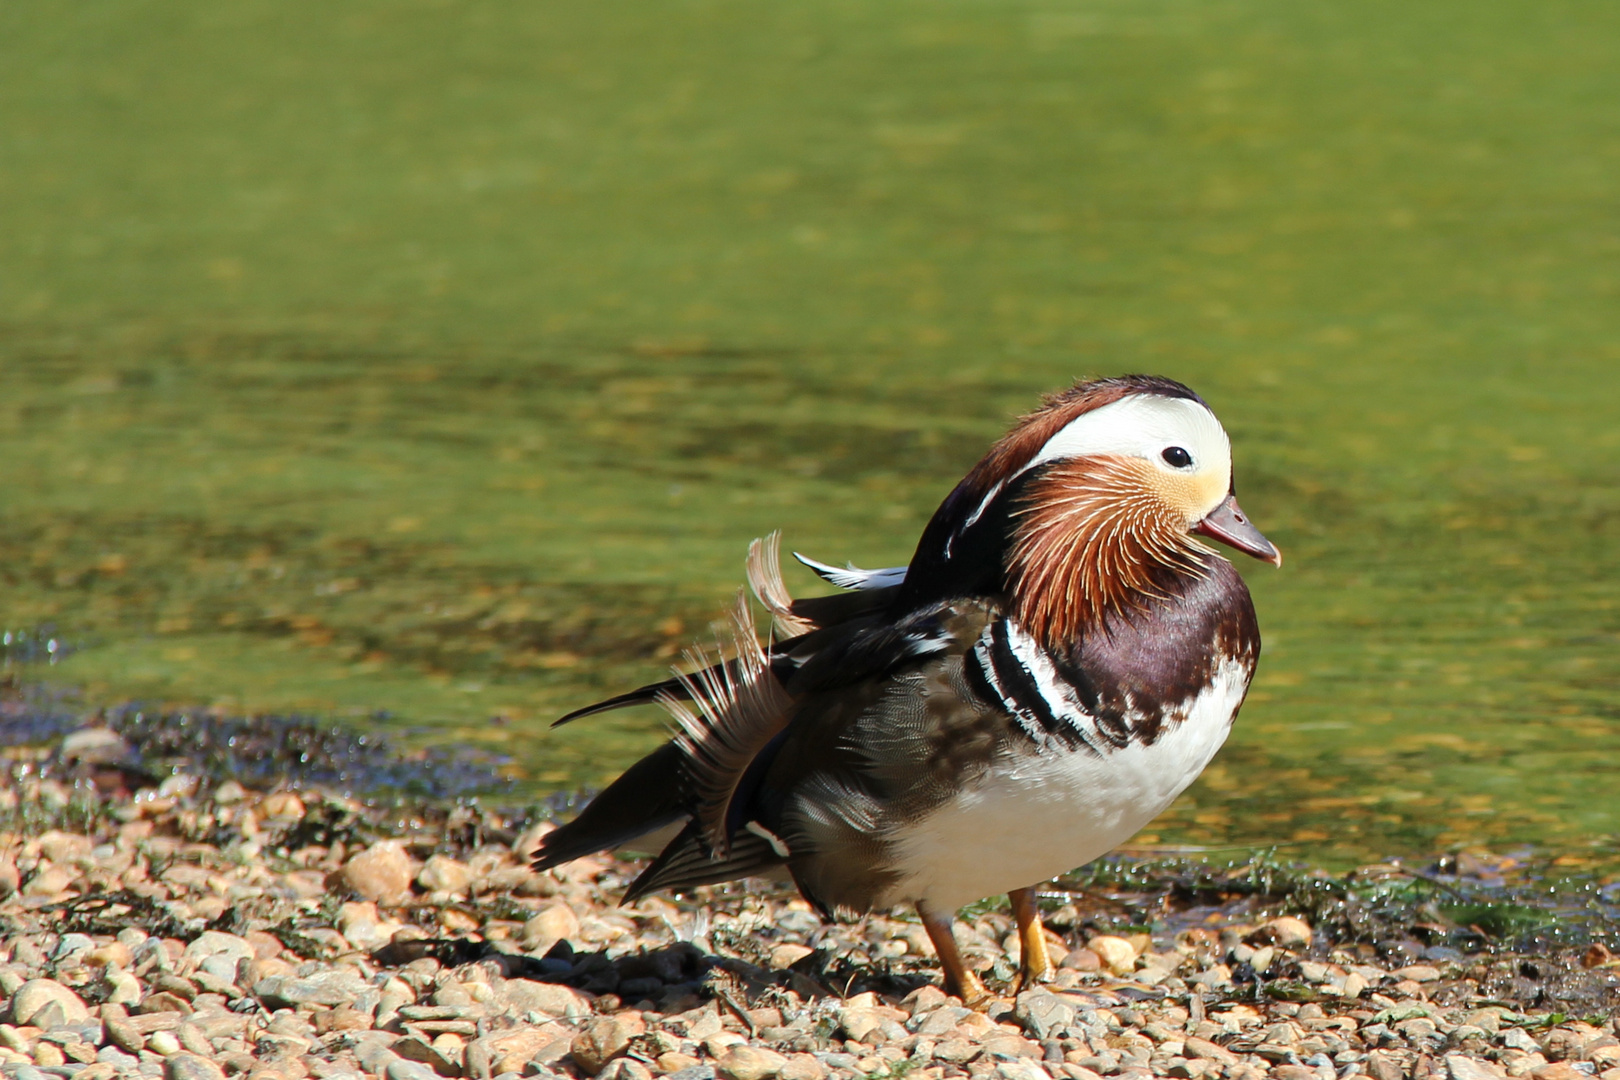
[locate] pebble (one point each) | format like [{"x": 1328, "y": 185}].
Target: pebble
[
  {"x": 190, "y": 1067},
  {"x": 381, "y": 873},
  {"x": 553, "y": 924},
  {"x": 163, "y": 1043},
  {"x": 1286, "y": 932},
  {"x": 444, "y": 874},
  {"x": 802, "y": 1067},
  {"x": 750, "y": 1063},
  {"x": 1116, "y": 954},
  {"x": 624, "y": 1069},
  {"x": 215, "y": 943},
  {"x": 605, "y": 1039},
  {"x": 34, "y": 997},
  {"x": 335, "y": 987}
]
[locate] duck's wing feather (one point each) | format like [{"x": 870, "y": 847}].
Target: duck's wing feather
[
  {"x": 850, "y": 576},
  {"x": 818, "y": 613},
  {"x": 727, "y": 714},
  {"x": 686, "y": 863},
  {"x": 649, "y": 796}
]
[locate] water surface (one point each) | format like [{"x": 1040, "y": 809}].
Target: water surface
[{"x": 430, "y": 366}]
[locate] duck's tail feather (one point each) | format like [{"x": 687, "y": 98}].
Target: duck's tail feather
[
  {"x": 685, "y": 863},
  {"x": 649, "y": 796},
  {"x": 646, "y": 695}
]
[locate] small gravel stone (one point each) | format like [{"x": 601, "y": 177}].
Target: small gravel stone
[
  {"x": 1286, "y": 932},
  {"x": 212, "y": 943},
  {"x": 785, "y": 956},
  {"x": 163, "y": 1043},
  {"x": 605, "y": 1039},
  {"x": 1043, "y": 1013},
  {"x": 381, "y": 873},
  {"x": 1116, "y": 954},
  {"x": 750, "y": 1063},
  {"x": 1420, "y": 973},
  {"x": 444, "y": 874},
  {"x": 191, "y": 1067},
  {"x": 35, "y": 996},
  {"x": 338, "y": 986},
  {"x": 624, "y": 1069},
  {"x": 403, "y": 1069},
  {"x": 694, "y": 1072},
  {"x": 802, "y": 1067},
  {"x": 1461, "y": 1067},
  {"x": 555, "y": 923}
]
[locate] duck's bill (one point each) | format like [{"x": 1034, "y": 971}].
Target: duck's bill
[{"x": 1232, "y": 527}]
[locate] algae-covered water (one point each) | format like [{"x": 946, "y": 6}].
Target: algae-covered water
[{"x": 429, "y": 365}]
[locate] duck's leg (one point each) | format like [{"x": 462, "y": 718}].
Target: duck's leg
[
  {"x": 1034, "y": 966},
  {"x": 958, "y": 979}
]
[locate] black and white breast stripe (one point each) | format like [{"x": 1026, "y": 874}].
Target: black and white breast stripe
[{"x": 1010, "y": 669}]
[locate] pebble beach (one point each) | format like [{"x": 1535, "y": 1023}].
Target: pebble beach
[{"x": 192, "y": 928}]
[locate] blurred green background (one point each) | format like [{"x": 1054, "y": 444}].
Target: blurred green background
[{"x": 441, "y": 358}]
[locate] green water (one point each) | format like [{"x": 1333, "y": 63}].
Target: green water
[{"x": 442, "y": 358}]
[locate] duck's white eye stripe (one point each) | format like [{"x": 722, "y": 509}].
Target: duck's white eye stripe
[{"x": 1143, "y": 426}]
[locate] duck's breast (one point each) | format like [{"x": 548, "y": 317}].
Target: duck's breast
[{"x": 1046, "y": 807}]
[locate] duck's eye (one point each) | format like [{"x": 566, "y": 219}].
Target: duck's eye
[{"x": 1176, "y": 457}]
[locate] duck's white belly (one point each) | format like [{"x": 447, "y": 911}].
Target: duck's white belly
[{"x": 1032, "y": 817}]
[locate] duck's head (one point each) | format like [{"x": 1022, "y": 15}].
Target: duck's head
[{"x": 1092, "y": 501}]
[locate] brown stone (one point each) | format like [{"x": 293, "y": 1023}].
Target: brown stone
[
  {"x": 415, "y": 1048},
  {"x": 1116, "y": 954},
  {"x": 1082, "y": 960},
  {"x": 191, "y": 1067},
  {"x": 556, "y": 923},
  {"x": 1420, "y": 973},
  {"x": 802, "y": 1067},
  {"x": 1381, "y": 1066},
  {"x": 35, "y": 996},
  {"x": 281, "y": 804},
  {"x": 519, "y": 996},
  {"x": 382, "y": 873},
  {"x": 1285, "y": 932},
  {"x": 605, "y": 1040},
  {"x": 510, "y": 1051},
  {"x": 624, "y": 1069},
  {"x": 444, "y": 874},
  {"x": 675, "y": 1062},
  {"x": 342, "y": 1018},
  {"x": 1009, "y": 1045},
  {"x": 956, "y": 1051},
  {"x": 1203, "y": 1048},
  {"x": 1557, "y": 1070},
  {"x": 750, "y": 1063},
  {"x": 1294, "y": 1072},
  {"x": 1463, "y": 1067},
  {"x": 785, "y": 956}
]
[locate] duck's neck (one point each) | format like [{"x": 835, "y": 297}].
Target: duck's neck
[{"x": 1090, "y": 544}]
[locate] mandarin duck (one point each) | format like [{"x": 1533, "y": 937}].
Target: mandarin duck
[{"x": 1059, "y": 660}]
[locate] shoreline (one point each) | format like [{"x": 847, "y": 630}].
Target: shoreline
[{"x": 191, "y": 927}]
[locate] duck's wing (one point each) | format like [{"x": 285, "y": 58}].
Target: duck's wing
[
  {"x": 732, "y": 720},
  {"x": 747, "y": 761}
]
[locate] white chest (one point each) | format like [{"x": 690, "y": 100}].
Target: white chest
[{"x": 1032, "y": 817}]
